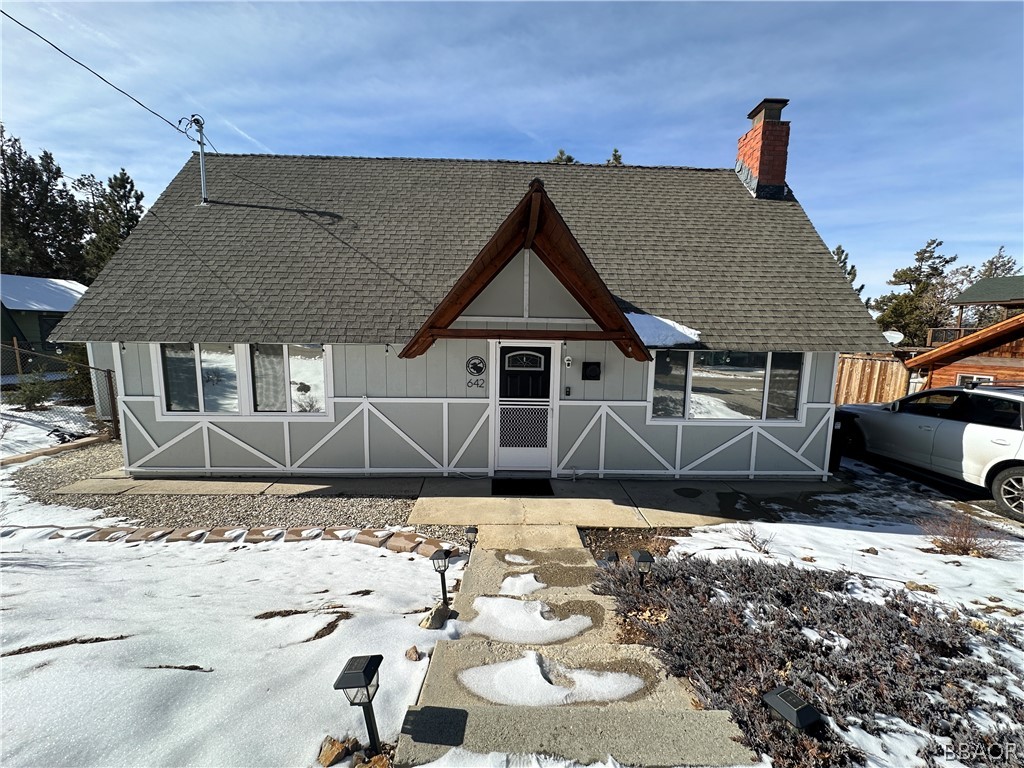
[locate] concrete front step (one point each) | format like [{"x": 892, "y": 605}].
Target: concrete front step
[
  {"x": 451, "y": 657},
  {"x": 643, "y": 737}
]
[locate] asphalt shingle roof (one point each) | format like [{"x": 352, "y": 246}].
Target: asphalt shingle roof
[
  {"x": 994, "y": 290},
  {"x": 361, "y": 250}
]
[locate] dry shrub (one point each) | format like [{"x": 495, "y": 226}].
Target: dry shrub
[
  {"x": 960, "y": 534},
  {"x": 748, "y": 534},
  {"x": 735, "y": 629}
]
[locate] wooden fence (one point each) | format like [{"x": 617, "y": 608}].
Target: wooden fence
[{"x": 869, "y": 378}]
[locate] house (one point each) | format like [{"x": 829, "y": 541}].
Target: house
[
  {"x": 342, "y": 315},
  {"x": 991, "y": 355},
  {"x": 30, "y": 308}
]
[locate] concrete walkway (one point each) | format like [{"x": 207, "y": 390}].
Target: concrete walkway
[
  {"x": 655, "y": 726},
  {"x": 584, "y": 503}
]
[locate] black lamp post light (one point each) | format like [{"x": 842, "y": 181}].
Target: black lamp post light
[
  {"x": 471, "y": 534},
  {"x": 359, "y": 682},
  {"x": 644, "y": 562},
  {"x": 440, "y": 562}
]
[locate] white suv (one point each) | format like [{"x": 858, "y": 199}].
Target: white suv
[{"x": 971, "y": 433}]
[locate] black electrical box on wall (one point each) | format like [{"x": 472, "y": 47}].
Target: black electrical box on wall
[{"x": 591, "y": 371}]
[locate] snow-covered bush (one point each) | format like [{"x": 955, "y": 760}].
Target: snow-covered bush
[{"x": 737, "y": 629}]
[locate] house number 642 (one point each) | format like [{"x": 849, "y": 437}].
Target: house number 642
[{"x": 475, "y": 383}]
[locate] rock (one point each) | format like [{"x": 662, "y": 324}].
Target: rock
[
  {"x": 332, "y": 751},
  {"x": 437, "y": 617},
  {"x": 413, "y": 654},
  {"x": 405, "y": 542},
  {"x": 430, "y": 546},
  {"x": 379, "y": 761},
  {"x": 870, "y": 551},
  {"x": 372, "y": 538},
  {"x": 914, "y": 586}
]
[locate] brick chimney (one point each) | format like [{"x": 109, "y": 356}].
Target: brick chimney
[{"x": 762, "y": 151}]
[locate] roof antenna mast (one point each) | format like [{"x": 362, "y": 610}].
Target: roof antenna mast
[{"x": 197, "y": 121}]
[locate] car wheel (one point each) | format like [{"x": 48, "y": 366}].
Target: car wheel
[{"x": 1008, "y": 491}]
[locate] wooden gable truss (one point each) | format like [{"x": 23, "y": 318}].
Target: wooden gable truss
[{"x": 534, "y": 225}]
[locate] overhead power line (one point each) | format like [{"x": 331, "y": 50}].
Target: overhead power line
[{"x": 93, "y": 71}]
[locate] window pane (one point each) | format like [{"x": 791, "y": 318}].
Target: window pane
[
  {"x": 220, "y": 378},
  {"x": 784, "y": 385},
  {"x": 727, "y": 385},
  {"x": 268, "y": 378},
  {"x": 936, "y": 404},
  {"x": 179, "y": 364},
  {"x": 669, "y": 384},
  {"x": 306, "y": 362},
  {"x": 992, "y": 412}
]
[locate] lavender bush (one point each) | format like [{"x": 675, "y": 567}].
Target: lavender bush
[{"x": 738, "y": 628}]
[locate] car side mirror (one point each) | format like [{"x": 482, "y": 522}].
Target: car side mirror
[{"x": 894, "y": 406}]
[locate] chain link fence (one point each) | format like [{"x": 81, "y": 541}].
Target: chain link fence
[{"x": 53, "y": 396}]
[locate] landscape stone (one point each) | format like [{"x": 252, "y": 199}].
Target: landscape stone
[
  {"x": 413, "y": 654},
  {"x": 148, "y": 534},
  {"x": 332, "y": 751},
  {"x": 373, "y": 538},
  {"x": 430, "y": 546},
  {"x": 405, "y": 542},
  {"x": 437, "y": 617},
  {"x": 260, "y": 535},
  {"x": 110, "y": 534}
]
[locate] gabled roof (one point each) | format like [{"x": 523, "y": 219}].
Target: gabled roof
[
  {"x": 535, "y": 225},
  {"x": 1005, "y": 291},
  {"x": 362, "y": 250},
  {"x": 39, "y": 294},
  {"x": 988, "y": 338}
]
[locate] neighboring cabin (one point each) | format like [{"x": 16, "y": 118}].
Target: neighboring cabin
[
  {"x": 990, "y": 355},
  {"x": 31, "y": 307},
  {"x": 336, "y": 315}
]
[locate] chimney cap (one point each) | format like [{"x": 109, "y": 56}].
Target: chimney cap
[{"x": 771, "y": 107}]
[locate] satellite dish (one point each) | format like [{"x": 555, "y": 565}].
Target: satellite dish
[{"x": 893, "y": 337}]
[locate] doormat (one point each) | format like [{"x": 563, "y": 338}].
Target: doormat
[{"x": 521, "y": 486}]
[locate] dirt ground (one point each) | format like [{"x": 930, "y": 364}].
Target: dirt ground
[{"x": 657, "y": 541}]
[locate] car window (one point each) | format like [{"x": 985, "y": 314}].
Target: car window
[
  {"x": 938, "y": 404},
  {"x": 992, "y": 411}
]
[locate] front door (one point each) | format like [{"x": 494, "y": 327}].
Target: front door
[{"x": 524, "y": 408}]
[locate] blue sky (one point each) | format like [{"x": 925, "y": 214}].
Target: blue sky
[{"x": 907, "y": 118}]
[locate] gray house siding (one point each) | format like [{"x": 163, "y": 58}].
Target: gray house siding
[{"x": 392, "y": 416}]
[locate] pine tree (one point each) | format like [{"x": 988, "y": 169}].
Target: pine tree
[
  {"x": 42, "y": 225},
  {"x": 849, "y": 271},
  {"x": 615, "y": 159},
  {"x": 114, "y": 212},
  {"x": 1001, "y": 264},
  {"x": 925, "y": 302},
  {"x": 563, "y": 158}
]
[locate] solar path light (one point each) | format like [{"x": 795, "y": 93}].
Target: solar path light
[
  {"x": 788, "y": 705},
  {"x": 359, "y": 682},
  {"x": 644, "y": 561},
  {"x": 471, "y": 534},
  {"x": 440, "y": 562}
]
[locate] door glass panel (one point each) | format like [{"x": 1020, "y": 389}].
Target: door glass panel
[
  {"x": 669, "y": 384},
  {"x": 220, "y": 378},
  {"x": 992, "y": 412},
  {"x": 936, "y": 404},
  {"x": 784, "y": 385}
]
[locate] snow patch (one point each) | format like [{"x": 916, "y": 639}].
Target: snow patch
[
  {"x": 523, "y": 584},
  {"x": 526, "y": 682},
  {"x": 657, "y": 331},
  {"x": 518, "y": 560},
  {"x": 521, "y": 621}
]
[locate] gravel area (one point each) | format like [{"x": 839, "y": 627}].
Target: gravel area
[{"x": 39, "y": 480}]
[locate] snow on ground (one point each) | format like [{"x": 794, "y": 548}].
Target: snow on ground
[
  {"x": 518, "y": 559},
  {"x": 522, "y": 584},
  {"x": 520, "y": 621},
  {"x": 28, "y": 430},
  {"x": 263, "y": 694},
  {"x": 657, "y": 331},
  {"x": 526, "y": 682},
  {"x": 461, "y": 758},
  {"x": 17, "y": 509}
]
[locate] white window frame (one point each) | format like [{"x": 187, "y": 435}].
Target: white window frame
[
  {"x": 246, "y": 395},
  {"x": 963, "y": 379},
  {"x": 798, "y": 420}
]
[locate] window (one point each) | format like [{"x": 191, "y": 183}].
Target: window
[
  {"x": 935, "y": 404},
  {"x": 992, "y": 411},
  {"x": 204, "y": 378},
  {"x": 972, "y": 378},
  {"x": 726, "y": 385},
  {"x": 288, "y": 378},
  {"x": 524, "y": 361}
]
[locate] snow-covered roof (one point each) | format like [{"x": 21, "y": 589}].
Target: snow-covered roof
[{"x": 39, "y": 294}]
